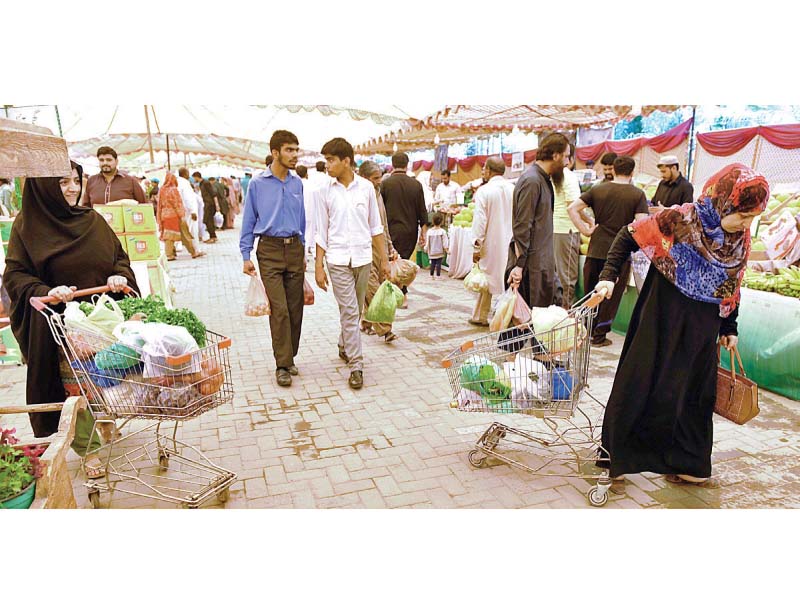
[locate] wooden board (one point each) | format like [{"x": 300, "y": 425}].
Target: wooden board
[{"x": 31, "y": 151}]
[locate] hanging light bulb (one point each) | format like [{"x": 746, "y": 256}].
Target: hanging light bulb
[
  {"x": 394, "y": 147},
  {"x": 436, "y": 139},
  {"x": 515, "y": 131}
]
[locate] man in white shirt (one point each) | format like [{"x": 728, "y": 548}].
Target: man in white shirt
[
  {"x": 446, "y": 192},
  {"x": 491, "y": 227},
  {"x": 189, "y": 211},
  {"x": 348, "y": 227}
]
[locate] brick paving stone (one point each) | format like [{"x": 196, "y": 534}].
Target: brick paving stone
[
  {"x": 387, "y": 486},
  {"x": 354, "y": 486},
  {"x": 372, "y": 499},
  {"x": 406, "y": 500},
  {"x": 255, "y": 488}
]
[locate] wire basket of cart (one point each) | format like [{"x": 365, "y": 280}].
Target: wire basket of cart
[
  {"x": 538, "y": 369},
  {"x": 134, "y": 374}
]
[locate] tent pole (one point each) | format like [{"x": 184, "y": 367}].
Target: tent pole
[
  {"x": 689, "y": 159},
  {"x": 149, "y": 136},
  {"x": 169, "y": 166},
  {"x": 58, "y": 120}
]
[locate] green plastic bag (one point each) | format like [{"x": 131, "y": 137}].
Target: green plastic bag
[
  {"x": 384, "y": 304},
  {"x": 117, "y": 356},
  {"x": 106, "y": 315},
  {"x": 485, "y": 378}
]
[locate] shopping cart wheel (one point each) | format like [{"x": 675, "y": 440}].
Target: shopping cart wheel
[
  {"x": 94, "y": 498},
  {"x": 224, "y": 496},
  {"x": 596, "y": 497},
  {"x": 476, "y": 459}
]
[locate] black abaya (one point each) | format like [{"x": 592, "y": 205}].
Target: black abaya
[
  {"x": 53, "y": 244},
  {"x": 659, "y": 414}
]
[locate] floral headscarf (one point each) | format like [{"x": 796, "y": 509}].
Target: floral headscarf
[{"x": 689, "y": 247}]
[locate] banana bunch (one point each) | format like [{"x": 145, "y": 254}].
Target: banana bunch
[{"x": 785, "y": 282}]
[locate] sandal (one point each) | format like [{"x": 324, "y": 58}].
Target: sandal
[
  {"x": 94, "y": 472},
  {"x": 712, "y": 483},
  {"x": 390, "y": 337}
]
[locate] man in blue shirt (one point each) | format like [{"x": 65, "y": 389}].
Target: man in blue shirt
[{"x": 274, "y": 211}]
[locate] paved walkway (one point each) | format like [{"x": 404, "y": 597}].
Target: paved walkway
[{"x": 395, "y": 443}]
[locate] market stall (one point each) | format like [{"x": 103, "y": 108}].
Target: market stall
[
  {"x": 463, "y": 122},
  {"x": 645, "y": 151}
]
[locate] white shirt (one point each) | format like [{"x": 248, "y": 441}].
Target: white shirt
[
  {"x": 187, "y": 197},
  {"x": 347, "y": 218},
  {"x": 447, "y": 194}
]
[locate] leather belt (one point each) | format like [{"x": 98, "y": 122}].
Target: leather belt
[{"x": 285, "y": 240}]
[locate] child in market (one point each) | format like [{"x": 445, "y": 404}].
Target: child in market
[{"x": 437, "y": 243}]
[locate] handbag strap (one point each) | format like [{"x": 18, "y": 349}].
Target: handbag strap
[{"x": 734, "y": 352}]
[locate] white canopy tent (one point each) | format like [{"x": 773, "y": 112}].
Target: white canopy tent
[{"x": 237, "y": 136}]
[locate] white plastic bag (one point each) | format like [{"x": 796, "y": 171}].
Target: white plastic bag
[
  {"x": 504, "y": 311},
  {"x": 555, "y": 329},
  {"x": 256, "y": 302},
  {"x": 477, "y": 280},
  {"x": 219, "y": 220},
  {"x": 530, "y": 379},
  {"x": 106, "y": 315},
  {"x": 163, "y": 341},
  {"x": 130, "y": 333},
  {"x": 84, "y": 337}
]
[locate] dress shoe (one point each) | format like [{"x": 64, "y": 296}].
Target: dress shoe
[
  {"x": 356, "y": 380},
  {"x": 602, "y": 343},
  {"x": 293, "y": 371},
  {"x": 283, "y": 377}
]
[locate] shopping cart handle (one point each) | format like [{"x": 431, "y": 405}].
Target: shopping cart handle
[
  {"x": 594, "y": 300},
  {"x": 39, "y": 302}
]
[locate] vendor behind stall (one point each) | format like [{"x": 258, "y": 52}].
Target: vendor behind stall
[{"x": 111, "y": 184}]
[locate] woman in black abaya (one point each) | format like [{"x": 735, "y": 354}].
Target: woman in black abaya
[
  {"x": 659, "y": 414},
  {"x": 55, "y": 248}
]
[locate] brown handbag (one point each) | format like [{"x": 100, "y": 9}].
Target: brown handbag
[{"x": 737, "y": 396}]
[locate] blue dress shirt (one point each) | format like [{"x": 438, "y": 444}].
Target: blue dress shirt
[{"x": 272, "y": 208}]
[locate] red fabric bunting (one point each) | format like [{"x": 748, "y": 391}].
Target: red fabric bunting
[
  {"x": 466, "y": 164},
  {"x": 727, "y": 142},
  {"x": 660, "y": 143},
  {"x": 783, "y": 136}
]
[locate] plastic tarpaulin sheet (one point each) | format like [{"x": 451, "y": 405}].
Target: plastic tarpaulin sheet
[
  {"x": 769, "y": 341},
  {"x": 769, "y": 338}
]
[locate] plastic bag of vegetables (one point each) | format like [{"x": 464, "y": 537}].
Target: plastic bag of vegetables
[
  {"x": 477, "y": 281},
  {"x": 165, "y": 341},
  {"x": 555, "y": 329},
  {"x": 106, "y": 315},
  {"x": 256, "y": 302},
  {"x": 485, "y": 378},
  {"x": 402, "y": 272},
  {"x": 504, "y": 311},
  {"x": 384, "y": 304}
]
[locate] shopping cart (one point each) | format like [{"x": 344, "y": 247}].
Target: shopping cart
[
  {"x": 543, "y": 375},
  {"x": 141, "y": 386}
]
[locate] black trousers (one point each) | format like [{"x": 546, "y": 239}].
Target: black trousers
[
  {"x": 436, "y": 265},
  {"x": 209, "y": 209},
  {"x": 282, "y": 271},
  {"x": 608, "y": 308}
]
